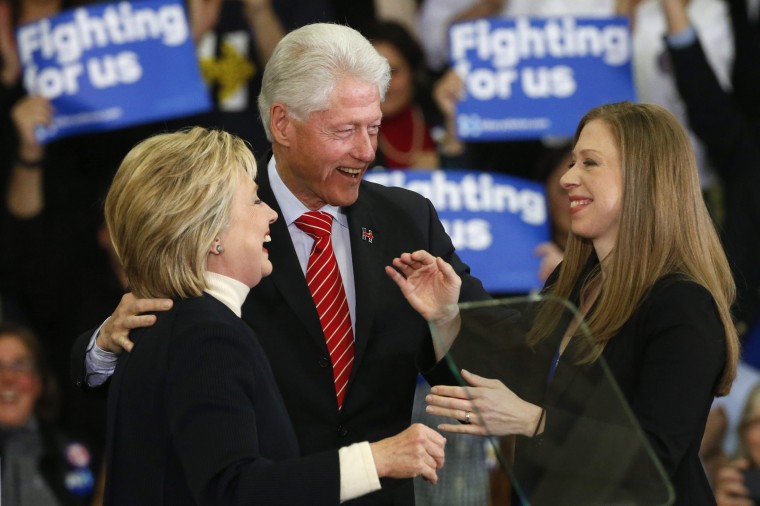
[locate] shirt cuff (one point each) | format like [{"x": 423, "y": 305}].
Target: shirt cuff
[
  {"x": 99, "y": 363},
  {"x": 358, "y": 475},
  {"x": 682, "y": 39}
]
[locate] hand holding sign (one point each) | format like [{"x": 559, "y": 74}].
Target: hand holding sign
[
  {"x": 204, "y": 15},
  {"x": 28, "y": 114},
  {"x": 527, "y": 78},
  {"x": 104, "y": 66}
]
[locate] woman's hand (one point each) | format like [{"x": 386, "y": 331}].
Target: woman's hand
[
  {"x": 417, "y": 451},
  {"x": 551, "y": 256},
  {"x": 485, "y": 408}
]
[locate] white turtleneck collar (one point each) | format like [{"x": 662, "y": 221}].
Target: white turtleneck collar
[{"x": 228, "y": 291}]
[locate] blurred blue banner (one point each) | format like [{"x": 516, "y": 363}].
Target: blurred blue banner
[
  {"x": 494, "y": 220},
  {"x": 111, "y": 65},
  {"x": 528, "y": 78}
]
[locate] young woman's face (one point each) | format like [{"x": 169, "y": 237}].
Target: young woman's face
[
  {"x": 401, "y": 88},
  {"x": 594, "y": 185},
  {"x": 750, "y": 434}
]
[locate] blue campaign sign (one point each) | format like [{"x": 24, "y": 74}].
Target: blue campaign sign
[
  {"x": 111, "y": 65},
  {"x": 528, "y": 78},
  {"x": 494, "y": 220}
]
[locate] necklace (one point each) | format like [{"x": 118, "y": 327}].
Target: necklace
[{"x": 418, "y": 136}]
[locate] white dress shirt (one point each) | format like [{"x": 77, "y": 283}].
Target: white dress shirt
[{"x": 291, "y": 209}]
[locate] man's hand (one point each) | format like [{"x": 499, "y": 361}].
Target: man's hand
[
  {"x": 416, "y": 451},
  {"x": 429, "y": 284},
  {"x": 114, "y": 334}
]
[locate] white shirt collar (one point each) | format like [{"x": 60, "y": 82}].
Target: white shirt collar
[{"x": 228, "y": 291}]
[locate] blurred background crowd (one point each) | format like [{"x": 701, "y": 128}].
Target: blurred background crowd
[{"x": 59, "y": 277}]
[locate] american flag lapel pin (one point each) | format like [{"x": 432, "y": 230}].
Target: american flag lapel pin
[{"x": 367, "y": 235}]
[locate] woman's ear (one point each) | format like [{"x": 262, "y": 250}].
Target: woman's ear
[{"x": 216, "y": 247}]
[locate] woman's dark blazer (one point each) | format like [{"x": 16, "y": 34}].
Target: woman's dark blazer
[
  {"x": 666, "y": 361},
  {"x": 195, "y": 417}
]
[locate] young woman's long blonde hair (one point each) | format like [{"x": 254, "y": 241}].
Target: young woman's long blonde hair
[{"x": 664, "y": 228}]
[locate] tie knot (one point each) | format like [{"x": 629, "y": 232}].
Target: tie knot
[{"x": 315, "y": 223}]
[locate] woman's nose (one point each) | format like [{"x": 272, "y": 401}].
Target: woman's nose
[{"x": 569, "y": 179}]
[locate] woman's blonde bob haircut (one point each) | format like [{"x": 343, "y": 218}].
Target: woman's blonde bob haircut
[
  {"x": 169, "y": 200},
  {"x": 665, "y": 228}
]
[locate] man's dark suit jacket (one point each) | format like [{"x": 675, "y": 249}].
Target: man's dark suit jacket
[
  {"x": 383, "y": 223},
  {"x": 195, "y": 417}
]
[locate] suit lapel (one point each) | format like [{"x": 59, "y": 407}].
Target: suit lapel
[
  {"x": 564, "y": 374},
  {"x": 286, "y": 275},
  {"x": 567, "y": 372},
  {"x": 368, "y": 269},
  {"x": 289, "y": 280}
]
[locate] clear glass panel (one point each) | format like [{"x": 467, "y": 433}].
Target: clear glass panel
[{"x": 592, "y": 450}]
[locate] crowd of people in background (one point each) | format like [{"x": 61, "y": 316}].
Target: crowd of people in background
[{"x": 700, "y": 59}]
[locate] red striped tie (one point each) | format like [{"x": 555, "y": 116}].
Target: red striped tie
[{"x": 326, "y": 287}]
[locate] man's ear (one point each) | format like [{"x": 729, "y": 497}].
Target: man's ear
[{"x": 279, "y": 124}]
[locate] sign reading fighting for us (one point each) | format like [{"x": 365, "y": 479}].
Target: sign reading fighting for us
[
  {"x": 528, "y": 78},
  {"x": 111, "y": 65},
  {"x": 494, "y": 220}
]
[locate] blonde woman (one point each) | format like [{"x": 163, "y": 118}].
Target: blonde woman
[{"x": 645, "y": 267}]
